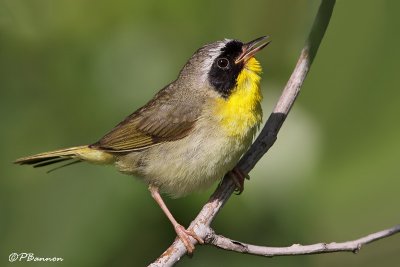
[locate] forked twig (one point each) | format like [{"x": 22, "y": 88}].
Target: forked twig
[{"x": 267, "y": 137}]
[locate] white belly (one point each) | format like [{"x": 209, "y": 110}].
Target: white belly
[{"x": 190, "y": 164}]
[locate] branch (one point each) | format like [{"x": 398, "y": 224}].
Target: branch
[
  {"x": 297, "y": 249},
  {"x": 264, "y": 141}
]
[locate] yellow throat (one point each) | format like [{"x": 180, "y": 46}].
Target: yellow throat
[{"x": 241, "y": 111}]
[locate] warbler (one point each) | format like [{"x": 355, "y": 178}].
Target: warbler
[{"x": 191, "y": 133}]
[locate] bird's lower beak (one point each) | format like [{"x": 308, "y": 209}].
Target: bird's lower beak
[{"x": 252, "y": 47}]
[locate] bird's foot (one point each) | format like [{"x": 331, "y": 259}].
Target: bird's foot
[
  {"x": 184, "y": 236},
  {"x": 238, "y": 176}
]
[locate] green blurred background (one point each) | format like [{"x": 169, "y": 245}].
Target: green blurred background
[{"x": 71, "y": 70}]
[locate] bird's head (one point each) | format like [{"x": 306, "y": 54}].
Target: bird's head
[{"x": 220, "y": 64}]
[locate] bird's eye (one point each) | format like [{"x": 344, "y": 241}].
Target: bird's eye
[{"x": 223, "y": 63}]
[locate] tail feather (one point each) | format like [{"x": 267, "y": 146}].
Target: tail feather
[
  {"x": 80, "y": 153},
  {"x": 48, "y": 162}
]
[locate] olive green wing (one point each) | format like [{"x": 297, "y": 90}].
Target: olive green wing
[{"x": 161, "y": 120}]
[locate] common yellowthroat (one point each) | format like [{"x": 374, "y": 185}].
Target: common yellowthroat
[{"x": 191, "y": 133}]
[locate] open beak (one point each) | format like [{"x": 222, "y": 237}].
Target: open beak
[{"x": 252, "y": 47}]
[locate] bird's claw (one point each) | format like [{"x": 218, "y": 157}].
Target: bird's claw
[
  {"x": 238, "y": 176},
  {"x": 184, "y": 235}
]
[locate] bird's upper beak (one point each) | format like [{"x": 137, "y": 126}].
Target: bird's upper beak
[{"x": 252, "y": 47}]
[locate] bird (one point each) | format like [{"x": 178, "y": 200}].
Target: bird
[{"x": 190, "y": 134}]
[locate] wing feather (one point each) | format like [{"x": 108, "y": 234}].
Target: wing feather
[{"x": 163, "y": 119}]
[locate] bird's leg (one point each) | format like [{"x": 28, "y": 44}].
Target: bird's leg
[
  {"x": 182, "y": 233},
  {"x": 238, "y": 176}
]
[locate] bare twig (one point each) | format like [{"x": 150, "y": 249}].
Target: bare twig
[
  {"x": 297, "y": 249},
  {"x": 264, "y": 141}
]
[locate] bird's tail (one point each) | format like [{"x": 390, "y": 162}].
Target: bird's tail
[{"x": 79, "y": 153}]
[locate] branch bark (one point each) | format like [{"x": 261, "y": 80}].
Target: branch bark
[
  {"x": 265, "y": 140},
  {"x": 297, "y": 249}
]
